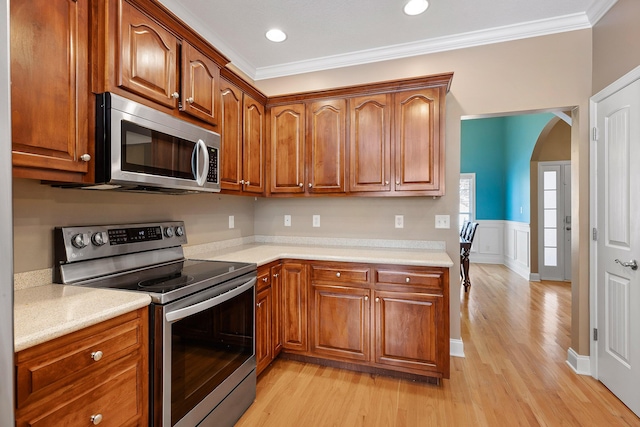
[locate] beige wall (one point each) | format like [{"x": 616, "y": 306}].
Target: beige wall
[
  {"x": 554, "y": 144},
  {"x": 37, "y": 209},
  {"x": 616, "y": 43},
  {"x": 532, "y": 74}
]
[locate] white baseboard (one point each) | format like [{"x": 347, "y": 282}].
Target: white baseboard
[
  {"x": 517, "y": 268},
  {"x": 580, "y": 364},
  {"x": 534, "y": 277},
  {"x": 456, "y": 348}
]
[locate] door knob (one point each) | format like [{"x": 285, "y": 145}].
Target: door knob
[{"x": 631, "y": 264}]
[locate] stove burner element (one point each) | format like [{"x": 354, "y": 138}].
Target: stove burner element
[{"x": 166, "y": 283}]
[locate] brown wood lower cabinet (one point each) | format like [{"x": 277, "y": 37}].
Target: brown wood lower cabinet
[
  {"x": 268, "y": 315},
  {"x": 369, "y": 317},
  {"x": 97, "y": 373}
]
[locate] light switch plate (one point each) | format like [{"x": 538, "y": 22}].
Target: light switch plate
[
  {"x": 316, "y": 220},
  {"x": 443, "y": 221},
  {"x": 399, "y": 221},
  {"x": 232, "y": 222},
  {"x": 287, "y": 220}
]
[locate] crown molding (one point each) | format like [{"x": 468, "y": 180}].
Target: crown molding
[
  {"x": 598, "y": 9},
  {"x": 578, "y": 21}
]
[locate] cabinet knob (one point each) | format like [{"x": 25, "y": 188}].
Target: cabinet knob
[
  {"x": 96, "y": 419},
  {"x": 397, "y": 182},
  {"x": 377, "y": 299},
  {"x": 242, "y": 181},
  {"x": 309, "y": 185},
  {"x": 338, "y": 274},
  {"x": 276, "y": 275},
  {"x": 96, "y": 355},
  {"x": 175, "y": 95},
  {"x": 366, "y": 297},
  {"x": 301, "y": 185},
  {"x": 190, "y": 100},
  {"x": 264, "y": 279},
  {"x": 386, "y": 183},
  {"x": 259, "y": 304},
  {"x": 407, "y": 279},
  {"x": 247, "y": 183},
  {"x": 85, "y": 157}
]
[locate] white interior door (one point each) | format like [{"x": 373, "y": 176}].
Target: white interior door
[
  {"x": 617, "y": 212},
  {"x": 554, "y": 213}
]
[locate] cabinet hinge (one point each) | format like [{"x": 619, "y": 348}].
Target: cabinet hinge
[
  {"x": 594, "y": 234},
  {"x": 594, "y": 133},
  {"x": 595, "y": 334}
]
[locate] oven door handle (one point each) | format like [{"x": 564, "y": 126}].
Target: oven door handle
[{"x": 180, "y": 314}]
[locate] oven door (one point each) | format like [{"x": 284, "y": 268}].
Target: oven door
[{"x": 208, "y": 349}]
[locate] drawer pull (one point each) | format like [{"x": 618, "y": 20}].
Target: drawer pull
[
  {"x": 264, "y": 279},
  {"x": 97, "y": 355},
  {"x": 407, "y": 280},
  {"x": 96, "y": 419},
  {"x": 338, "y": 274},
  {"x": 377, "y": 299}
]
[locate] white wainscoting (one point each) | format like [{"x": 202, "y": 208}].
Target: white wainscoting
[{"x": 503, "y": 242}]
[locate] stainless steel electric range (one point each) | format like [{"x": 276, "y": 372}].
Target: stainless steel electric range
[{"x": 202, "y": 331}]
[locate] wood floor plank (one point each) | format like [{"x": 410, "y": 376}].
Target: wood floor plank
[{"x": 516, "y": 335}]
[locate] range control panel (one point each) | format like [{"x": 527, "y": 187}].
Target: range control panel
[{"x": 89, "y": 242}]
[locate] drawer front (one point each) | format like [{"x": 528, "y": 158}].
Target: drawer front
[
  {"x": 115, "y": 402},
  {"x": 340, "y": 274},
  {"x": 431, "y": 279},
  {"x": 71, "y": 361},
  {"x": 264, "y": 279}
]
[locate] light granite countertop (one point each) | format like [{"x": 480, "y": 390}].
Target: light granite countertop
[{"x": 44, "y": 311}]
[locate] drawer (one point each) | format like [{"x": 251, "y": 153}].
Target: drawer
[
  {"x": 429, "y": 278},
  {"x": 59, "y": 363},
  {"x": 264, "y": 279},
  {"x": 340, "y": 274},
  {"x": 116, "y": 402}
]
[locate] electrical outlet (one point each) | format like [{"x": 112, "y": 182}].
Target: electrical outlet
[
  {"x": 232, "y": 222},
  {"x": 399, "y": 221},
  {"x": 316, "y": 220},
  {"x": 287, "y": 220},
  {"x": 443, "y": 221}
]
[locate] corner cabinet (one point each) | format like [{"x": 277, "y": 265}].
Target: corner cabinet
[
  {"x": 392, "y": 131},
  {"x": 51, "y": 113}
]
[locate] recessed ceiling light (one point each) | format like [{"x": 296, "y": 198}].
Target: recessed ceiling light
[
  {"x": 276, "y": 35},
  {"x": 416, "y": 7}
]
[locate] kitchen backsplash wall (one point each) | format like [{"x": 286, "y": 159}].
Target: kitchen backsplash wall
[{"x": 37, "y": 209}]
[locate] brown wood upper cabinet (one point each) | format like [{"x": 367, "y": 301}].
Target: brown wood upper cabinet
[
  {"x": 242, "y": 124},
  {"x": 148, "y": 52},
  {"x": 50, "y": 109},
  {"x": 286, "y": 154}
]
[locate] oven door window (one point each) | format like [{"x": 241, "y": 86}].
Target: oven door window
[
  {"x": 206, "y": 348},
  {"x": 156, "y": 153}
]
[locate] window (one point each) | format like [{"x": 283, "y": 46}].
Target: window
[{"x": 467, "y": 211}]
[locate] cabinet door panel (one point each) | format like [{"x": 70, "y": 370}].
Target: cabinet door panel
[
  {"x": 370, "y": 143},
  {"x": 253, "y": 157},
  {"x": 326, "y": 138},
  {"x": 148, "y": 57},
  {"x": 231, "y": 137},
  {"x": 294, "y": 306},
  {"x": 49, "y": 83},
  {"x": 407, "y": 332},
  {"x": 417, "y": 128},
  {"x": 287, "y": 149},
  {"x": 340, "y": 322},
  {"x": 264, "y": 347},
  {"x": 200, "y": 80}
]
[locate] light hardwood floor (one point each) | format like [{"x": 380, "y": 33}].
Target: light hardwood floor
[{"x": 516, "y": 337}]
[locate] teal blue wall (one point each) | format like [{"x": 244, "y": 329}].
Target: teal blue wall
[{"x": 498, "y": 150}]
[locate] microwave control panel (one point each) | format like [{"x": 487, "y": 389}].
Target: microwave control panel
[{"x": 212, "y": 175}]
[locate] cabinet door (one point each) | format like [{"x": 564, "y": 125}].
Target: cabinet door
[
  {"x": 340, "y": 322},
  {"x": 264, "y": 347},
  {"x": 50, "y": 92},
  {"x": 200, "y": 79},
  {"x": 408, "y": 331},
  {"x": 419, "y": 157},
  {"x": 148, "y": 57},
  {"x": 287, "y": 149},
  {"x": 294, "y": 306},
  {"x": 276, "y": 296},
  {"x": 326, "y": 136},
  {"x": 230, "y": 136},
  {"x": 253, "y": 153},
  {"x": 370, "y": 143}
]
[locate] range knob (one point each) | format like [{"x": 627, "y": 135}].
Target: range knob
[
  {"x": 99, "y": 238},
  {"x": 168, "y": 232},
  {"x": 179, "y": 231},
  {"x": 80, "y": 240}
]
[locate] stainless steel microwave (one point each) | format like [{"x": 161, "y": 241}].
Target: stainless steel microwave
[{"x": 141, "y": 149}]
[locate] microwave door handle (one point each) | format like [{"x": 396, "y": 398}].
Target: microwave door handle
[
  {"x": 201, "y": 175},
  {"x": 180, "y": 314}
]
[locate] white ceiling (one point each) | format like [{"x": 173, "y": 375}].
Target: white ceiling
[{"x": 324, "y": 34}]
